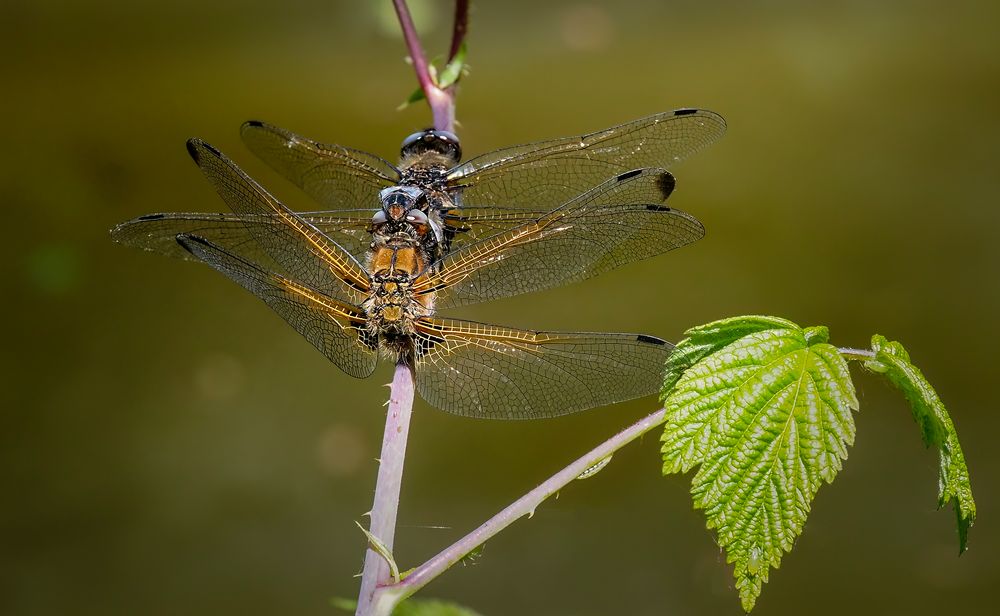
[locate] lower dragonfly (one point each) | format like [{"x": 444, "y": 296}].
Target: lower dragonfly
[{"x": 352, "y": 312}]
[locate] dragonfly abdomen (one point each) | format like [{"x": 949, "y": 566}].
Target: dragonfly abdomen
[{"x": 392, "y": 307}]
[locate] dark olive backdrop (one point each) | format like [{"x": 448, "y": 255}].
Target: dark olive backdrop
[{"x": 170, "y": 446}]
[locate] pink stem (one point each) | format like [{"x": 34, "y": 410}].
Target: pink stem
[
  {"x": 442, "y": 102},
  {"x": 460, "y": 28},
  {"x": 390, "y": 476},
  {"x": 419, "y": 577}
]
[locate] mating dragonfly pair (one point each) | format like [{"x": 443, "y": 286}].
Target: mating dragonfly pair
[{"x": 399, "y": 243}]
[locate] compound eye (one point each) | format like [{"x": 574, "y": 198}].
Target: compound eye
[
  {"x": 440, "y": 141},
  {"x": 416, "y": 217},
  {"x": 450, "y": 146},
  {"x": 379, "y": 217},
  {"x": 410, "y": 142}
]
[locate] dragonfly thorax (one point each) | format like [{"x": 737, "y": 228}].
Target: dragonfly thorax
[{"x": 425, "y": 161}]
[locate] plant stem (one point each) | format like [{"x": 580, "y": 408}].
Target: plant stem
[
  {"x": 461, "y": 26},
  {"x": 390, "y": 477},
  {"x": 442, "y": 102},
  {"x": 525, "y": 505},
  {"x": 397, "y": 424}
]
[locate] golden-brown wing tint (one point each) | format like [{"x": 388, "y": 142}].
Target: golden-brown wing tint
[
  {"x": 335, "y": 328},
  {"x": 494, "y": 372},
  {"x": 302, "y": 250},
  {"x": 621, "y": 221},
  {"x": 545, "y": 174},
  {"x": 335, "y": 176},
  {"x": 157, "y": 232}
]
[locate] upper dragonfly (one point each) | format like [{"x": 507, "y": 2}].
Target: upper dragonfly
[
  {"x": 350, "y": 308},
  {"x": 463, "y": 203}
]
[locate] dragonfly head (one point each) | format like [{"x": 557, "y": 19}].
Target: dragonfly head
[
  {"x": 397, "y": 201},
  {"x": 403, "y": 212},
  {"x": 439, "y": 141}
]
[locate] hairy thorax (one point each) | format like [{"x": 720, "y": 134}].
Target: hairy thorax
[{"x": 428, "y": 171}]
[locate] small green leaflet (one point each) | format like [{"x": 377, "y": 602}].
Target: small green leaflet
[
  {"x": 893, "y": 362},
  {"x": 415, "y": 97},
  {"x": 595, "y": 468},
  {"x": 453, "y": 70},
  {"x": 763, "y": 408},
  {"x": 412, "y": 607},
  {"x": 449, "y": 76},
  {"x": 431, "y": 607},
  {"x": 382, "y": 550}
]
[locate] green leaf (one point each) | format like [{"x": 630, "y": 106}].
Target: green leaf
[
  {"x": 344, "y": 604},
  {"x": 415, "y": 97},
  {"x": 431, "y": 607},
  {"x": 893, "y": 362},
  {"x": 453, "y": 70},
  {"x": 763, "y": 408},
  {"x": 706, "y": 339}
]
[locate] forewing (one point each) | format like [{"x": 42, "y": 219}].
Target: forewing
[
  {"x": 336, "y": 328},
  {"x": 334, "y": 176},
  {"x": 493, "y": 372},
  {"x": 621, "y": 221},
  {"x": 158, "y": 232},
  {"x": 468, "y": 225},
  {"x": 545, "y": 174},
  {"x": 303, "y": 251}
]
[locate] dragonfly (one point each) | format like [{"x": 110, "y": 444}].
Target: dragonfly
[
  {"x": 463, "y": 202},
  {"x": 352, "y": 309}
]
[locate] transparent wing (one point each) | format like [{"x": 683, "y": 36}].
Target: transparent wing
[
  {"x": 157, "y": 232},
  {"x": 465, "y": 226},
  {"x": 334, "y": 176},
  {"x": 493, "y": 372},
  {"x": 335, "y": 328},
  {"x": 619, "y": 222},
  {"x": 545, "y": 174},
  {"x": 303, "y": 251}
]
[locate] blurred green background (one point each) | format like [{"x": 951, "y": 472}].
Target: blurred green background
[{"x": 170, "y": 446}]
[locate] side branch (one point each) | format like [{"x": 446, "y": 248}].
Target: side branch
[
  {"x": 460, "y": 27},
  {"x": 419, "y": 577}
]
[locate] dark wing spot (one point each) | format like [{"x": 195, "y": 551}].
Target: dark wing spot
[
  {"x": 685, "y": 111},
  {"x": 666, "y": 183},
  {"x": 253, "y": 123},
  {"x": 211, "y": 149},
  {"x": 192, "y": 146},
  {"x": 151, "y": 217},
  {"x": 195, "y": 146},
  {"x": 629, "y": 174},
  {"x": 657, "y": 208},
  {"x": 650, "y": 340}
]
